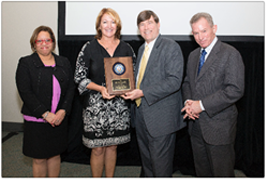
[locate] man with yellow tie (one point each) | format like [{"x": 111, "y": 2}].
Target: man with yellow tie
[{"x": 158, "y": 100}]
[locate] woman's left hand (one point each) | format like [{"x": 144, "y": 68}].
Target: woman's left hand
[{"x": 59, "y": 116}]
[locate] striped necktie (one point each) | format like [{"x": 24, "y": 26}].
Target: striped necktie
[{"x": 202, "y": 60}]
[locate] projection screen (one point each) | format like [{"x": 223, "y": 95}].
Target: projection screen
[{"x": 232, "y": 18}]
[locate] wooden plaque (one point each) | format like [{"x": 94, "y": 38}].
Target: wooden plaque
[{"x": 119, "y": 75}]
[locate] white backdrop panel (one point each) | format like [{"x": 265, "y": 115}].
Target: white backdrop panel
[{"x": 232, "y": 18}]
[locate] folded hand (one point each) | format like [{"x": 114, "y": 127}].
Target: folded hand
[{"x": 192, "y": 109}]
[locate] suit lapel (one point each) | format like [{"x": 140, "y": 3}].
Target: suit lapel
[
  {"x": 197, "y": 57},
  {"x": 209, "y": 61},
  {"x": 152, "y": 56}
]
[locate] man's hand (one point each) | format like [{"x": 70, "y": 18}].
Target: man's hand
[
  {"x": 135, "y": 94},
  {"x": 192, "y": 109}
]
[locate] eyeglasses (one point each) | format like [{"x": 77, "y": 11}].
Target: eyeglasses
[{"x": 47, "y": 41}]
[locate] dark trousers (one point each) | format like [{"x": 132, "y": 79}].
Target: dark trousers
[
  {"x": 211, "y": 160},
  {"x": 156, "y": 153}
]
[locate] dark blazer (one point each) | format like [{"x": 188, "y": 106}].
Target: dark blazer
[
  {"x": 219, "y": 85},
  {"x": 34, "y": 83},
  {"x": 161, "y": 86}
]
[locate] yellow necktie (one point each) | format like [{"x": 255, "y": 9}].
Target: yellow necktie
[{"x": 143, "y": 66}]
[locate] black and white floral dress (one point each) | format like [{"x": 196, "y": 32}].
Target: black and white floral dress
[{"x": 106, "y": 122}]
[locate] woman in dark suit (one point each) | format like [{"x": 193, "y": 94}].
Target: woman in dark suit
[{"x": 45, "y": 84}]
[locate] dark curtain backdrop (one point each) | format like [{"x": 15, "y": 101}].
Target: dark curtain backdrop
[{"x": 249, "y": 145}]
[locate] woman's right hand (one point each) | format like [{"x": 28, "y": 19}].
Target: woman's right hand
[
  {"x": 105, "y": 94},
  {"x": 50, "y": 119},
  {"x": 101, "y": 89}
]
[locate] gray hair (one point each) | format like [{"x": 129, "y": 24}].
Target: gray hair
[{"x": 198, "y": 16}]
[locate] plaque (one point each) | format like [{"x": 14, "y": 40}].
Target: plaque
[{"x": 119, "y": 75}]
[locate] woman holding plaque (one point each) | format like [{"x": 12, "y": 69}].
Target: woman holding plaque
[{"x": 106, "y": 117}]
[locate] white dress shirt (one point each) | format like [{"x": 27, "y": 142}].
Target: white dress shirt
[
  {"x": 208, "y": 50},
  {"x": 150, "y": 46}
]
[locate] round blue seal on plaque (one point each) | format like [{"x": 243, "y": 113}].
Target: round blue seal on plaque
[{"x": 119, "y": 68}]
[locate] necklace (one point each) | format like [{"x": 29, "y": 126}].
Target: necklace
[{"x": 108, "y": 45}]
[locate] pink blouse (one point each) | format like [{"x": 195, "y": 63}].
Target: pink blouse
[{"x": 56, "y": 93}]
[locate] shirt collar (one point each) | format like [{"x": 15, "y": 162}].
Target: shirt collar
[
  {"x": 209, "y": 48},
  {"x": 151, "y": 44}
]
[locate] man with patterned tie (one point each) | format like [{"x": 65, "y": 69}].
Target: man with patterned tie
[
  {"x": 210, "y": 97},
  {"x": 159, "y": 72}
]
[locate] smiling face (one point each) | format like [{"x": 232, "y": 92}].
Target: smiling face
[
  {"x": 44, "y": 48},
  {"x": 149, "y": 29},
  {"x": 203, "y": 33},
  {"x": 108, "y": 26}
]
